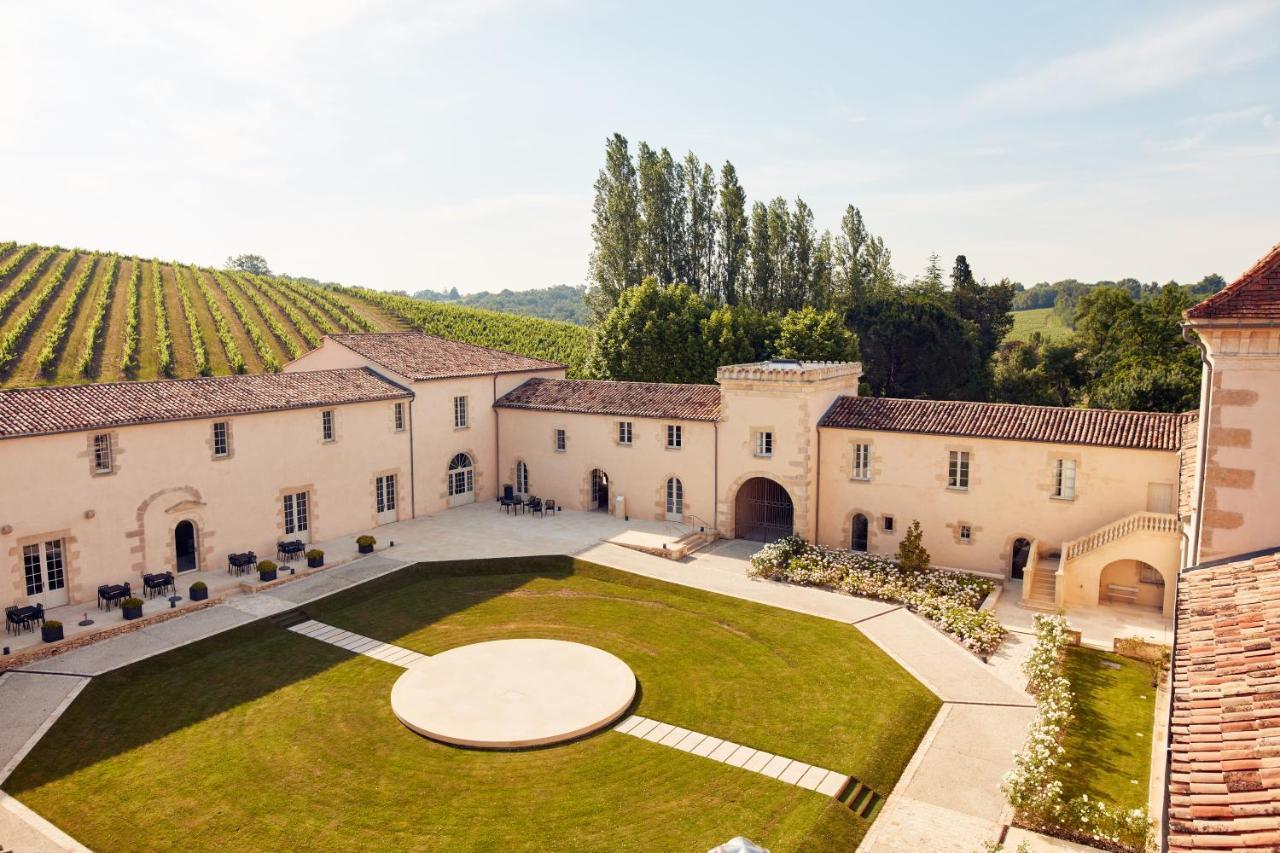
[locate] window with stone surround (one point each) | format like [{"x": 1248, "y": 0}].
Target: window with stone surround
[
  {"x": 326, "y": 425},
  {"x": 1064, "y": 479},
  {"x": 862, "y": 462},
  {"x": 764, "y": 444},
  {"x": 624, "y": 432},
  {"x": 398, "y": 416},
  {"x": 675, "y": 436},
  {"x": 561, "y": 440},
  {"x": 460, "y": 419},
  {"x": 221, "y": 440},
  {"x": 958, "y": 470},
  {"x": 103, "y": 461}
]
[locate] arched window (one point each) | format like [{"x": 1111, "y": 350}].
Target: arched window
[
  {"x": 675, "y": 499},
  {"x": 522, "y": 478},
  {"x": 859, "y": 532},
  {"x": 461, "y": 475}
]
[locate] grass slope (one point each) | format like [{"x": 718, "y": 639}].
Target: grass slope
[
  {"x": 263, "y": 739},
  {"x": 1108, "y": 743},
  {"x": 1040, "y": 320}
]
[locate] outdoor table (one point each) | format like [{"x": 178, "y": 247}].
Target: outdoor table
[
  {"x": 112, "y": 593},
  {"x": 19, "y": 618}
]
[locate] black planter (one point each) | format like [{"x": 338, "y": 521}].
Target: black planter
[
  {"x": 51, "y": 634},
  {"x": 198, "y": 593},
  {"x": 365, "y": 549},
  {"x": 315, "y": 562},
  {"x": 132, "y": 612},
  {"x": 267, "y": 576}
]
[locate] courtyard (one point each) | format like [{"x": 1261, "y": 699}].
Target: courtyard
[{"x": 263, "y": 737}]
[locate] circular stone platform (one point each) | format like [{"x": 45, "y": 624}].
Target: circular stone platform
[{"x": 506, "y": 694}]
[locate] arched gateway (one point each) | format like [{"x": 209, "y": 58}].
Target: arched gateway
[{"x": 762, "y": 511}]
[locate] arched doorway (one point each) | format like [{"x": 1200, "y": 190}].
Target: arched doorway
[
  {"x": 675, "y": 499},
  {"x": 599, "y": 490},
  {"x": 184, "y": 546},
  {"x": 1131, "y": 582},
  {"x": 1018, "y": 562},
  {"x": 861, "y": 533},
  {"x": 462, "y": 480},
  {"x": 762, "y": 511}
]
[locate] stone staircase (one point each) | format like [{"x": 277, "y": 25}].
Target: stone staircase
[{"x": 1044, "y": 585}]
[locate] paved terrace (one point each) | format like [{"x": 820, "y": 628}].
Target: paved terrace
[{"x": 947, "y": 799}]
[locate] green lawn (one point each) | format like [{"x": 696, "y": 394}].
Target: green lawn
[
  {"x": 261, "y": 738},
  {"x": 1039, "y": 320},
  {"x": 1108, "y": 744}
]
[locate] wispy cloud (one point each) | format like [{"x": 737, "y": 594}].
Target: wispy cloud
[{"x": 1171, "y": 52}]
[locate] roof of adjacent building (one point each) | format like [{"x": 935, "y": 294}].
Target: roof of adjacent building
[
  {"x": 630, "y": 399},
  {"x": 1224, "y": 790},
  {"x": 72, "y": 408},
  {"x": 417, "y": 355},
  {"x": 1253, "y": 296},
  {"x": 1051, "y": 424}
]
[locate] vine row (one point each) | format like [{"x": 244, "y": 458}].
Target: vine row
[
  {"x": 24, "y": 281},
  {"x": 288, "y": 341},
  {"x": 234, "y": 356},
  {"x": 259, "y": 340},
  {"x": 53, "y": 338},
  {"x": 164, "y": 338},
  {"x": 97, "y": 319},
  {"x": 129, "y": 350},
  {"x": 18, "y": 331},
  {"x": 200, "y": 354}
]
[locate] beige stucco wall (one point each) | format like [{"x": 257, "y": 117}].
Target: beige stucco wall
[
  {"x": 1009, "y": 495},
  {"x": 436, "y": 441},
  {"x": 1241, "y": 445},
  {"x": 120, "y": 525},
  {"x": 638, "y": 472},
  {"x": 788, "y": 404}
]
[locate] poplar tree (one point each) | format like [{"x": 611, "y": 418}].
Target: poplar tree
[
  {"x": 616, "y": 228},
  {"x": 851, "y": 274},
  {"x": 763, "y": 271},
  {"x": 700, "y": 226},
  {"x": 732, "y": 235}
]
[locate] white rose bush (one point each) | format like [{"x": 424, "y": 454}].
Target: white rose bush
[
  {"x": 1032, "y": 787},
  {"x": 949, "y": 600}
]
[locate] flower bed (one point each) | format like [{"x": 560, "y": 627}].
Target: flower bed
[
  {"x": 949, "y": 600},
  {"x": 1031, "y": 786}
]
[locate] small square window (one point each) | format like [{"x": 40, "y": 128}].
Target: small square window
[
  {"x": 560, "y": 441},
  {"x": 459, "y": 412},
  {"x": 674, "y": 436},
  {"x": 764, "y": 444},
  {"x": 221, "y": 440},
  {"x": 624, "y": 432},
  {"x": 888, "y": 524},
  {"x": 398, "y": 414},
  {"x": 966, "y": 533},
  {"x": 326, "y": 424},
  {"x": 102, "y": 461}
]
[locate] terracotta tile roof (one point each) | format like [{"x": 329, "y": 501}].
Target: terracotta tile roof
[
  {"x": 632, "y": 399},
  {"x": 1253, "y": 296},
  {"x": 41, "y": 411},
  {"x": 1224, "y": 790},
  {"x": 417, "y": 355},
  {"x": 1104, "y": 427}
]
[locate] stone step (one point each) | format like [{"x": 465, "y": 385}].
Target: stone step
[{"x": 288, "y": 618}]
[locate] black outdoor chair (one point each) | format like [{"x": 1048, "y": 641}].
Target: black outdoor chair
[
  {"x": 534, "y": 505},
  {"x": 507, "y": 499},
  {"x": 15, "y": 619},
  {"x": 109, "y": 594},
  {"x": 549, "y": 505},
  {"x": 239, "y": 564},
  {"x": 35, "y": 615},
  {"x": 291, "y": 550},
  {"x": 158, "y": 583}
]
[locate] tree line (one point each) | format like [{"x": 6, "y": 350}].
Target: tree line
[{"x": 686, "y": 276}]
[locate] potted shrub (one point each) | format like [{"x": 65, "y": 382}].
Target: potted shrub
[
  {"x": 315, "y": 558},
  {"x": 198, "y": 591},
  {"x": 365, "y": 544},
  {"x": 267, "y": 570},
  {"x": 132, "y": 608},
  {"x": 51, "y": 631}
]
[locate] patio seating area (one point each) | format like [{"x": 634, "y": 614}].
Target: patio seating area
[
  {"x": 158, "y": 584},
  {"x": 112, "y": 594},
  {"x": 19, "y": 619},
  {"x": 242, "y": 564},
  {"x": 513, "y": 503}
]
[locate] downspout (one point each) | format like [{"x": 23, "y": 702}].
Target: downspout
[
  {"x": 497, "y": 439},
  {"x": 1202, "y": 440},
  {"x": 715, "y": 473},
  {"x": 413, "y": 478},
  {"x": 817, "y": 492}
]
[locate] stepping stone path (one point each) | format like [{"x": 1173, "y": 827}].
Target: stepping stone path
[
  {"x": 358, "y": 643},
  {"x": 861, "y": 798}
]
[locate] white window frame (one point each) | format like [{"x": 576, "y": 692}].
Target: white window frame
[
  {"x": 522, "y": 477},
  {"x": 861, "y": 461},
  {"x": 626, "y": 432},
  {"x": 560, "y": 439},
  {"x": 675, "y": 436},
  {"x": 462, "y": 478},
  {"x": 385, "y": 488},
  {"x": 397, "y": 416},
  {"x": 966, "y": 533},
  {"x": 461, "y": 417},
  {"x": 223, "y": 451},
  {"x": 44, "y": 567},
  {"x": 297, "y": 513},
  {"x": 1064, "y": 479},
  {"x": 764, "y": 444},
  {"x": 104, "y": 461},
  {"x": 328, "y": 433},
  {"x": 675, "y": 497},
  {"x": 958, "y": 470}
]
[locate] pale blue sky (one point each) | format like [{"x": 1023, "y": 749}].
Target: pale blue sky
[{"x": 442, "y": 144}]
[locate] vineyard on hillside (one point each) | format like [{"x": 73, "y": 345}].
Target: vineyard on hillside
[{"x": 69, "y": 316}]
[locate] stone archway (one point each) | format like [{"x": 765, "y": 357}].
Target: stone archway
[
  {"x": 1130, "y": 581},
  {"x": 763, "y": 511}
]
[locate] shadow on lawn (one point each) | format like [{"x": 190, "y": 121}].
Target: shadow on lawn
[{"x": 145, "y": 701}]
